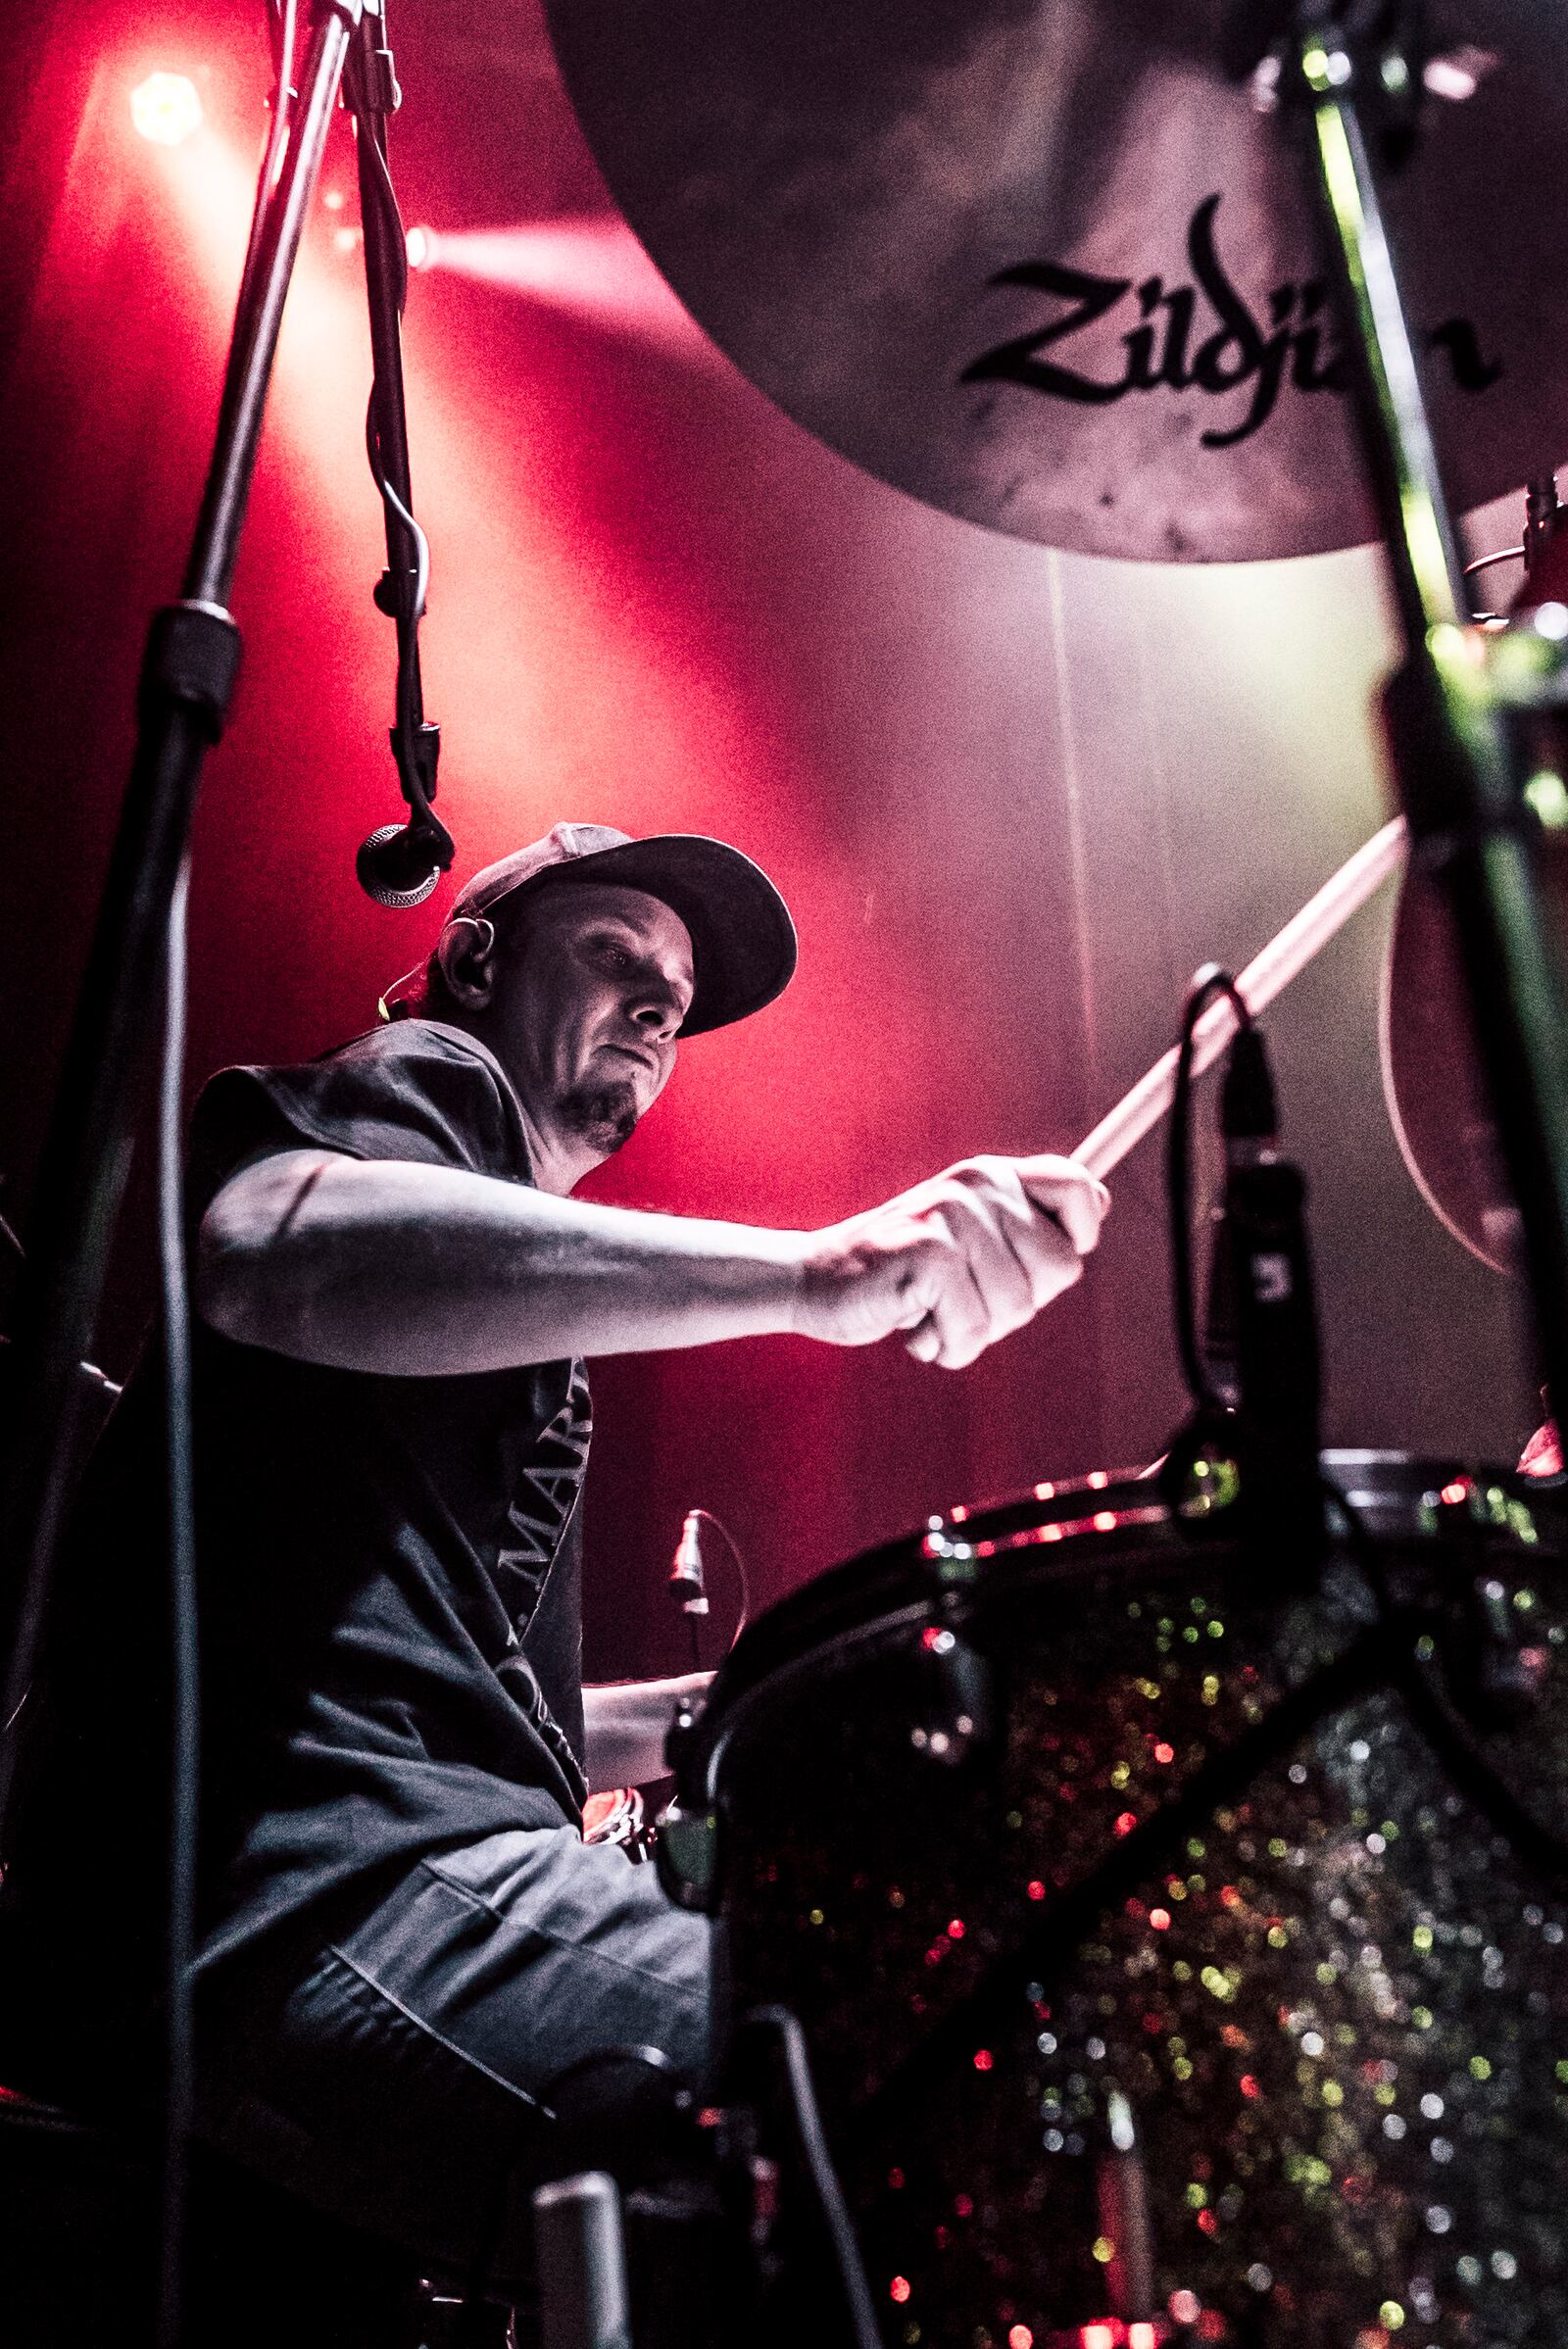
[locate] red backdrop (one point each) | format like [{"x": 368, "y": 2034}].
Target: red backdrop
[{"x": 1012, "y": 798}]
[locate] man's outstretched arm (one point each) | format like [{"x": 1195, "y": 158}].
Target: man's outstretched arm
[
  {"x": 414, "y": 1271},
  {"x": 627, "y": 1723}
]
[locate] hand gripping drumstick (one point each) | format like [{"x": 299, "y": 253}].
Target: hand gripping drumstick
[{"x": 1258, "y": 984}]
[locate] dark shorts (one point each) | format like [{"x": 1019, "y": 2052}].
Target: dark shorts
[{"x": 402, "y": 2081}]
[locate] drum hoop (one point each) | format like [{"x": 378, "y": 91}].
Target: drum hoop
[{"x": 897, "y": 1585}]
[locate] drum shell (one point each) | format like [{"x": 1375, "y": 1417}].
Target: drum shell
[{"x": 1335, "y": 2001}]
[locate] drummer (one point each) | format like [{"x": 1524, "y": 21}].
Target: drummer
[{"x": 405, "y": 1940}]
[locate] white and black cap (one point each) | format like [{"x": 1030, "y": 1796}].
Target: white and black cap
[{"x": 743, "y": 940}]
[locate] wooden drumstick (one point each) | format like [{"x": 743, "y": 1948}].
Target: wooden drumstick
[{"x": 1141, "y": 1109}]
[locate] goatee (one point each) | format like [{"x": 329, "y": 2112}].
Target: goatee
[{"x": 604, "y": 1116}]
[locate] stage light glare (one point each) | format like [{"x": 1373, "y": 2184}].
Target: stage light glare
[
  {"x": 166, "y": 109},
  {"x": 595, "y": 270}
]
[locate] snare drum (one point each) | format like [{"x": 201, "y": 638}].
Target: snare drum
[{"x": 1180, "y": 1942}]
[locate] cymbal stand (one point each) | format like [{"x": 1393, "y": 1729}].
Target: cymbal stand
[
  {"x": 187, "y": 679},
  {"x": 1474, "y": 720},
  {"x": 134, "y": 981}
]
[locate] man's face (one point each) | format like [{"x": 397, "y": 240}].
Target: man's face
[{"x": 585, "y": 1007}]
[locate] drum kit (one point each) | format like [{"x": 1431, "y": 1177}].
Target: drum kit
[{"x": 1171, "y": 1899}]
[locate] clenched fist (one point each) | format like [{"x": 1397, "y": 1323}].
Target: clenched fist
[{"x": 957, "y": 1262}]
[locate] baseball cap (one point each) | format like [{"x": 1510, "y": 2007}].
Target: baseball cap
[{"x": 743, "y": 940}]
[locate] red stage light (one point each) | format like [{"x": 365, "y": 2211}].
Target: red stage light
[
  {"x": 421, "y": 244},
  {"x": 1098, "y": 2337},
  {"x": 1142, "y": 2337},
  {"x": 166, "y": 109}
]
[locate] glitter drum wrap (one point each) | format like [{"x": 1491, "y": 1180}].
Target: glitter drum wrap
[{"x": 1330, "y": 2001}]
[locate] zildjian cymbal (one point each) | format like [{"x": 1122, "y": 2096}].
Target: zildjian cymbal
[{"x": 1041, "y": 264}]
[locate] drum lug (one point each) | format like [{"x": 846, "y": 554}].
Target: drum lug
[
  {"x": 1493, "y": 1676},
  {"x": 753, "y": 2180},
  {"x": 1495, "y": 1679},
  {"x": 958, "y": 1717},
  {"x": 1121, "y": 2192}
]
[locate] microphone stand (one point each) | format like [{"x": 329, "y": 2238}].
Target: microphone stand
[
  {"x": 187, "y": 680},
  {"x": 1474, "y": 720},
  {"x": 399, "y": 865},
  {"x": 135, "y": 975}
]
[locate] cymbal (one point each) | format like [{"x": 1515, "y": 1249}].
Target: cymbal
[{"x": 1038, "y": 262}]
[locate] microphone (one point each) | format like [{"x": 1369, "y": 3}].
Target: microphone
[
  {"x": 1249, "y": 1126},
  {"x": 686, "y": 1584},
  {"x": 1262, "y": 1299},
  {"x": 400, "y": 865}
]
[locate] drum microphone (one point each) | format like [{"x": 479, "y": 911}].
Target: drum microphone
[
  {"x": 1263, "y": 1336},
  {"x": 400, "y": 865},
  {"x": 686, "y": 1584},
  {"x": 1249, "y": 1128},
  {"x": 687, "y": 1587}
]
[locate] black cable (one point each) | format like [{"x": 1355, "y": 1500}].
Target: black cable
[
  {"x": 1207, "y": 982},
  {"x": 390, "y": 498},
  {"x": 819, "y": 2168},
  {"x": 386, "y": 194},
  {"x": 414, "y": 741},
  {"x": 734, "y": 1548},
  {"x": 407, "y": 618},
  {"x": 184, "y": 1723}
]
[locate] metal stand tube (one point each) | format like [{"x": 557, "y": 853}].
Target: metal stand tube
[
  {"x": 1456, "y": 758},
  {"x": 582, "y": 2264},
  {"x": 187, "y": 679}
]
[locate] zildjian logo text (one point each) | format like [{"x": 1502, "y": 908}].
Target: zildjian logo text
[{"x": 1240, "y": 351}]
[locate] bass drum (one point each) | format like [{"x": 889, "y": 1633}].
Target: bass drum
[{"x": 1178, "y": 1935}]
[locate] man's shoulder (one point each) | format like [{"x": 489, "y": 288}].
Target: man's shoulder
[
  {"x": 393, "y": 1043},
  {"x": 409, "y": 1088}
]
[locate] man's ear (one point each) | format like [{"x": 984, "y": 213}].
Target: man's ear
[{"x": 466, "y": 955}]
